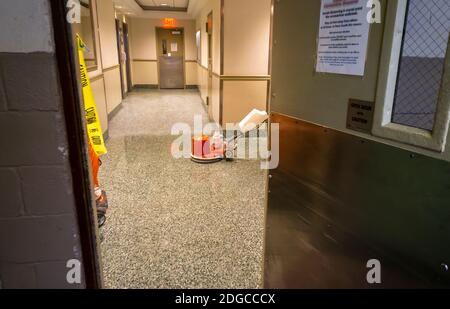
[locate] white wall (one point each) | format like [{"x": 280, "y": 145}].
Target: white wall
[
  {"x": 109, "y": 55},
  {"x": 113, "y": 89},
  {"x": 98, "y": 90},
  {"x": 241, "y": 97},
  {"x": 191, "y": 73},
  {"x": 107, "y": 30},
  {"x": 246, "y": 32},
  {"x": 246, "y": 37},
  {"x": 246, "y": 53},
  {"x": 96, "y": 76},
  {"x": 213, "y": 6},
  {"x": 105, "y": 81},
  {"x": 145, "y": 72}
]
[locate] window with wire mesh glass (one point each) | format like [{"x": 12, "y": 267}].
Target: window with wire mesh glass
[{"x": 422, "y": 62}]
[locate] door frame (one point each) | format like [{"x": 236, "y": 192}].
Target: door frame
[
  {"x": 68, "y": 69},
  {"x": 126, "y": 42},
  {"x": 157, "y": 53},
  {"x": 119, "y": 55},
  {"x": 210, "y": 42}
]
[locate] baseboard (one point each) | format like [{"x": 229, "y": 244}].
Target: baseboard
[
  {"x": 115, "y": 111},
  {"x": 193, "y": 87},
  {"x": 106, "y": 136},
  {"x": 151, "y": 86},
  {"x": 145, "y": 86}
]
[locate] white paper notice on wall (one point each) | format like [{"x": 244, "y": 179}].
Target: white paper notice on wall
[
  {"x": 174, "y": 47},
  {"x": 343, "y": 37}
]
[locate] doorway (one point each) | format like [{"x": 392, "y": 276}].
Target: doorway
[
  {"x": 154, "y": 198},
  {"x": 171, "y": 58},
  {"x": 120, "y": 53},
  {"x": 209, "y": 31},
  {"x": 126, "y": 44}
]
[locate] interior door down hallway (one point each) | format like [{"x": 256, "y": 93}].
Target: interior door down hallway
[{"x": 171, "y": 58}]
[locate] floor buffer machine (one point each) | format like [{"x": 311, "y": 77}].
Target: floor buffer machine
[{"x": 207, "y": 149}]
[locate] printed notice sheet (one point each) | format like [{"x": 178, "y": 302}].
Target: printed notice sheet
[{"x": 343, "y": 37}]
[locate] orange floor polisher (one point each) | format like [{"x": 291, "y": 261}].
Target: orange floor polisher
[{"x": 212, "y": 149}]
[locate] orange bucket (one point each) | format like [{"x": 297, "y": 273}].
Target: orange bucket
[{"x": 201, "y": 147}]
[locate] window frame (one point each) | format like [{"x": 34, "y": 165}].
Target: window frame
[{"x": 387, "y": 83}]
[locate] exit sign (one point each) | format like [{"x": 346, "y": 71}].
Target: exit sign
[{"x": 169, "y": 23}]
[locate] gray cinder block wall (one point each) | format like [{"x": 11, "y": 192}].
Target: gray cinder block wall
[{"x": 38, "y": 226}]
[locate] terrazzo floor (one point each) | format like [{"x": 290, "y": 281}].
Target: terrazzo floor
[{"x": 173, "y": 223}]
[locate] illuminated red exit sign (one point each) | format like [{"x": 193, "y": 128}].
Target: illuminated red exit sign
[{"x": 169, "y": 23}]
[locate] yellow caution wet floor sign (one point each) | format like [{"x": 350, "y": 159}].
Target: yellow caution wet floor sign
[{"x": 93, "y": 122}]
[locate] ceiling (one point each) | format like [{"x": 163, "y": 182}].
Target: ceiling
[
  {"x": 181, "y": 9},
  {"x": 164, "y": 5}
]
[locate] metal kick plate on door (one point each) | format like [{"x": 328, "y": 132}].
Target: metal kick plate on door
[
  {"x": 360, "y": 115},
  {"x": 171, "y": 72}
]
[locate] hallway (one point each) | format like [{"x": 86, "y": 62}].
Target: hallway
[{"x": 172, "y": 223}]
